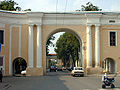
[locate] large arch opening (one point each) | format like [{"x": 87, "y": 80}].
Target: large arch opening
[
  {"x": 109, "y": 65},
  {"x": 59, "y": 61},
  {"x": 19, "y": 64}
]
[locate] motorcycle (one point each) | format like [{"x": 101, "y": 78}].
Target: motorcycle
[{"x": 109, "y": 82}]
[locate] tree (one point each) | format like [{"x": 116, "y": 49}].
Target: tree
[
  {"x": 89, "y": 7},
  {"x": 49, "y": 43},
  {"x": 67, "y": 45},
  {"x": 9, "y": 5}
]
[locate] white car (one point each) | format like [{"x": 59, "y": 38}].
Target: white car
[
  {"x": 23, "y": 72},
  {"x": 77, "y": 71}
]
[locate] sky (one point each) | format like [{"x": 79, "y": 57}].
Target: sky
[
  {"x": 72, "y": 5},
  {"x": 65, "y": 6}
]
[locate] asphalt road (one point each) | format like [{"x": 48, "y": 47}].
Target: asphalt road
[{"x": 55, "y": 81}]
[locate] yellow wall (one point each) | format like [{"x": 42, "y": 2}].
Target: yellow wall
[
  {"x": 47, "y": 30},
  {"x": 15, "y": 43},
  {"x": 93, "y": 45},
  {"x": 35, "y": 44},
  {"x": 24, "y": 42},
  {"x": 105, "y": 50},
  {"x": 5, "y": 48},
  {"x": 108, "y": 51}
]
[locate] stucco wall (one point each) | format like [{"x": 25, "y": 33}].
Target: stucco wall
[
  {"x": 48, "y": 30},
  {"x": 107, "y": 51}
]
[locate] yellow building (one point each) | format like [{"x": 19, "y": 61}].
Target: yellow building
[{"x": 24, "y": 35}]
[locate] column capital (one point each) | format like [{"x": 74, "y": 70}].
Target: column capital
[
  {"x": 31, "y": 24},
  {"x": 39, "y": 24},
  {"x": 88, "y": 25},
  {"x": 97, "y": 25}
]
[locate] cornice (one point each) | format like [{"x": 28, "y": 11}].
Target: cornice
[{"x": 41, "y": 18}]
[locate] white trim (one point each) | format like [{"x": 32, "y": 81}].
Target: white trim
[
  {"x": 10, "y": 46},
  {"x": 115, "y": 67},
  {"x": 2, "y": 25},
  {"x": 97, "y": 46},
  {"x": 39, "y": 46},
  {"x": 19, "y": 41},
  {"x": 30, "y": 47},
  {"x": 89, "y": 47},
  {"x": 109, "y": 37}
]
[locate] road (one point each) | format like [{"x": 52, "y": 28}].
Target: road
[{"x": 55, "y": 81}]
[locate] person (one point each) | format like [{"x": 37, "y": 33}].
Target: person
[
  {"x": 104, "y": 77},
  {"x": 1, "y": 76}
]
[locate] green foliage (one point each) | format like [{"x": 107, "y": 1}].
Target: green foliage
[
  {"x": 67, "y": 45},
  {"x": 49, "y": 43},
  {"x": 9, "y": 5},
  {"x": 89, "y": 7}
]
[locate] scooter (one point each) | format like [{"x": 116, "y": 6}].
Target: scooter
[{"x": 109, "y": 82}]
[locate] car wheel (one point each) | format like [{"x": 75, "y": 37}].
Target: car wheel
[
  {"x": 103, "y": 86},
  {"x": 112, "y": 86},
  {"x": 73, "y": 75}
]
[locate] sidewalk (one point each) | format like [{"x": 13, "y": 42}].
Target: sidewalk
[{"x": 5, "y": 84}]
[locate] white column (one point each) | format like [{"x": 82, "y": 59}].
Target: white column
[
  {"x": 20, "y": 41},
  {"x": 30, "y": 47},
  {"x": 107, "y": 65},
  {"x": 39, "y": 46},
  {"x": 89, "y": 47},
  {"x": 97, "y": 46},
  {"x": 10, "y": 46}
]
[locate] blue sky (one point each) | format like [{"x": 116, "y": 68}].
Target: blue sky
[{"x": 72, "y": 5}]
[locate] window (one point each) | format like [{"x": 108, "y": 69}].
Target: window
[
  {"x": 111, "y": 21},
  {"x": 1, "y": 36},
  {"x": 1, "y": 61},
  {"x": 112, "y": 38}
]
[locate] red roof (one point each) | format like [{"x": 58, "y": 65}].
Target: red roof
[{"x": 52, "y": 54}]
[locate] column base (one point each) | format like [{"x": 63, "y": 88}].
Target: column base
[
  {"x": 97, "y": 66},
  {"x": 89, "y": 67},
  {"x": 34, "y": 71},
  {"x": 94, "y": 70}
]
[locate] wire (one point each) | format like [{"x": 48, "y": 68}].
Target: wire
[
  {"x": 65, "y": 11},
  {"x": 56, "y": 11}
]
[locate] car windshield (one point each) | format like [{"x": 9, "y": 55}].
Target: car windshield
[{"x": 78, "y": 68}]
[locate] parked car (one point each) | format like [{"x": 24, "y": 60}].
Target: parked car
[
  {"x": 53, "y": 68},
  {"x": 59, "y": 68},
  {"x": 77, "y": 71},
  {"x": 23, "y": 72},
  {"x": 69, "y": 68},
  {"x": 63, "y": 68}
]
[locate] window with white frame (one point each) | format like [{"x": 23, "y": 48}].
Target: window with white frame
[
  {"x": 2, "y": 36},
  {"x": 112, "y": 38}
]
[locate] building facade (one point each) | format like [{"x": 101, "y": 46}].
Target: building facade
[{"x": 24, "y": 35}]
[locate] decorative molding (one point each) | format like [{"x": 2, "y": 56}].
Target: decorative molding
[
  {"x": 2, "y": 25},
  {"x": 20, "y": 41},
  {"x": 10, "y": 46},
  {"x": 80, "y": 18}
]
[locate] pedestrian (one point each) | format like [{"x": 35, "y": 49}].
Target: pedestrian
[
  {"x": 104, "y": 77},
  {"x": 1, "y": 75}
]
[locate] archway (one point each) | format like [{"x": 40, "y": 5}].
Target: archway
[
  {"x": 19, "y": 64},
  {"x": 109, "y": 65},
  {"x": 73, "y": 33}
]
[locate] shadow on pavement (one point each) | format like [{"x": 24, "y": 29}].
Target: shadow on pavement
[{"x": 33, "y": 83}]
